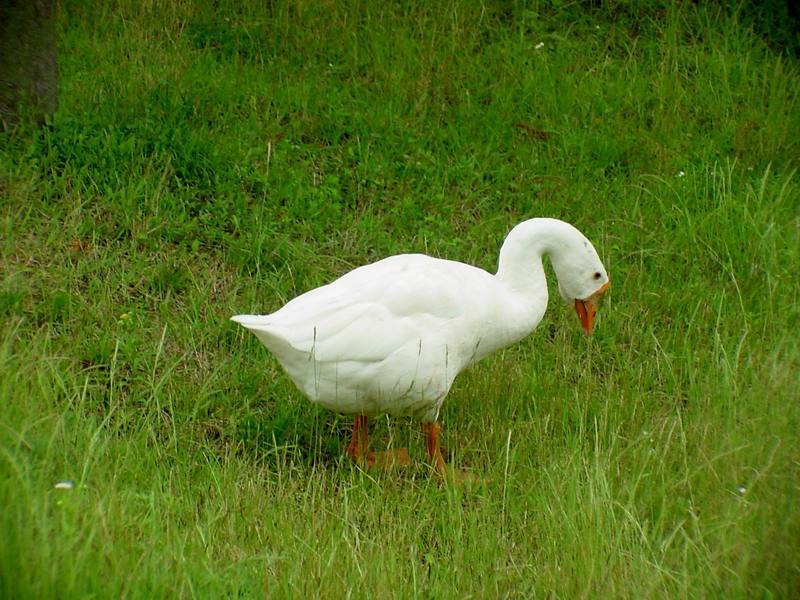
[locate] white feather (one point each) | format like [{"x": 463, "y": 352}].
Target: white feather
[{"x": 391, "y": 336}]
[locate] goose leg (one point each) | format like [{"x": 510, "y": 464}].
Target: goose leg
[
  {"x": 432, "y": 431},
  {"x": 359, "y": 451}
]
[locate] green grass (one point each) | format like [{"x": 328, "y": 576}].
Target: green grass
[{"x": 205, "y": 163}]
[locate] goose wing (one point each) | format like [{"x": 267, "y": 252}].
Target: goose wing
[{"x": 371, "y": 312}]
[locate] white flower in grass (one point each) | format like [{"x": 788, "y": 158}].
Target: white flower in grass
[
  {"x": 539, "y": 46},
  {"x": 741, "y": 489},
  {"x": 681, "y": 174},
  {"x": 65, "y": 485}
]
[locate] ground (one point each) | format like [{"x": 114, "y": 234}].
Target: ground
[{"x": 209, "y": 162}]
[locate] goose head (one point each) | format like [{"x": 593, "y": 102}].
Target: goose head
[{"x": 582, "y": 278}]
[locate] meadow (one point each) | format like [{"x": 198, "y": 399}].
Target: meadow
[{"x": 209, "y": 161}]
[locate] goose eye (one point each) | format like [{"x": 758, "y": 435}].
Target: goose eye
[{"x": 597, "y": 275}]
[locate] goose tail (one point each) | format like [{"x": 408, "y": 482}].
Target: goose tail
[{"x": 251, "y": 321}]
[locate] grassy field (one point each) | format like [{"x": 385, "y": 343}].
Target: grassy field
[{"x": 205, "y": 163}]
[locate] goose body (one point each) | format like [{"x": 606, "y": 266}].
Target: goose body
[{"x": 391, "y": 336}]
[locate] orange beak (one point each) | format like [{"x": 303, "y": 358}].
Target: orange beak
[{"x": 587, "y": 309}]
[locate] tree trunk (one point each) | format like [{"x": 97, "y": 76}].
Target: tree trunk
[{"x": 28, "y": 76}]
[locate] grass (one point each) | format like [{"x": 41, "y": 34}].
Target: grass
[{"x": 206, "y": 162}]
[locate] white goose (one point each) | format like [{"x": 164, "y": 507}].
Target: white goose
[{"x": 391, "y": 336}]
